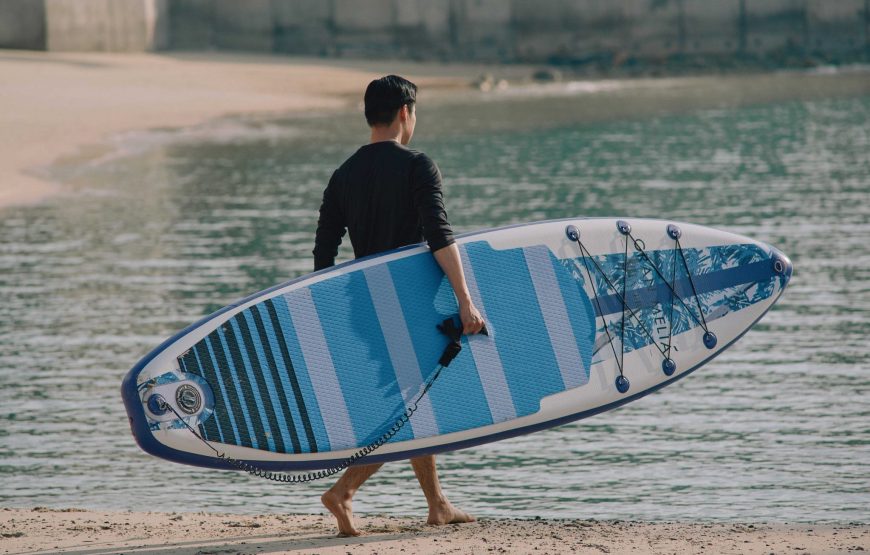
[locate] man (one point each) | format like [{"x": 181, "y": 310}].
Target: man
[{"x": 388, "y": 196}]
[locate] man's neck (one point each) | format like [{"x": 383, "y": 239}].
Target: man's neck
[{"x": 383, "y": 134}]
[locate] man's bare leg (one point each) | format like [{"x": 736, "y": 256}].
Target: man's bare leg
[
  {"x": 339, "y": 497},
  {"x": 441, "y": 511}
]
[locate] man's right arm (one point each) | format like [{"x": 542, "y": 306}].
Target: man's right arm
[
  {"x": 330, "y": 228},
  {"x": 448, "y": 259},
  {"x": 430, "y": 206}
]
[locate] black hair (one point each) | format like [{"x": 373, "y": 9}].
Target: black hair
[{"x": 385, "y": 97}]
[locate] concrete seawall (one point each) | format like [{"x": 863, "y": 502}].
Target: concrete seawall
[{"x": 606, "y": 32}]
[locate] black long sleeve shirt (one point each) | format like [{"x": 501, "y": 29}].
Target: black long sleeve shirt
[{"x": 386, "y": 196}]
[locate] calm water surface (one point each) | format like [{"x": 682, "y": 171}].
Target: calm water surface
[{"x": 172, "y": 225}]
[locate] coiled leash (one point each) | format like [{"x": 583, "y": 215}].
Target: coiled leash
[{"x": 448, "y": 327}]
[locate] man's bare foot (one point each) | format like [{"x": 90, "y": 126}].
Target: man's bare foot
[
  {"x": 340, "y": 507},
  {"x": 446, "y": 513}
]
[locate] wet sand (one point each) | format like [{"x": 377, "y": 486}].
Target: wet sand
[
  {"x": 61, "y": 105},
  {"x": 41, "y": 530}
]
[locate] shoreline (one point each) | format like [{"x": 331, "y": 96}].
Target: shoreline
[
  {"x": 60, "y": 106},
  {"x": 66, "y": 108},
  {"x": 40, "y": 530}
]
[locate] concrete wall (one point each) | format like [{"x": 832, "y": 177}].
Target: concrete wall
[
  {"x": 774, "y": 25},
  {"x": 89, "y": 25},
  {"x": 304, "y": 27},
  {"x": 712, "y": 27},
  {"x": 831, "y": 25},
  {"x": 191, "y": 24},
  {"x": 22, "y": 24},
  {"x": 106, "y": 25},
  {"x": 569, "y": 31}
]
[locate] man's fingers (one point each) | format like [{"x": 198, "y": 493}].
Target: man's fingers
[{"x": 473, "y": 327}]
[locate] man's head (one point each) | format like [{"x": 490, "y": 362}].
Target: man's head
[{"x": 389, "y": 103}]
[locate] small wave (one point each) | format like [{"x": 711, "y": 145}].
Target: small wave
[
  {"x": 581, "y": 87},
  {"x": 223, "y": 131}
]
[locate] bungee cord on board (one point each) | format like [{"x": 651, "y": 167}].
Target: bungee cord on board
[{"x": 668, "y": 364}]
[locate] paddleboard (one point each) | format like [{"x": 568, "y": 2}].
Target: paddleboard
[{"x": 583, "y": 315}]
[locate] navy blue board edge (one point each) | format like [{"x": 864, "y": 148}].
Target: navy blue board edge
[{"x": 146, "y": 441}]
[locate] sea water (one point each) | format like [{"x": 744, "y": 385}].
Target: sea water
[{"x": 166, "y": 226}]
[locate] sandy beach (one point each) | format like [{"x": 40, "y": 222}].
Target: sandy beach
[
  {"x": 42, "y": 530},
  {"x": 57, "y": 105}
]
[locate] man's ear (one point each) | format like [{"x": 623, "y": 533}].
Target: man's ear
[{"x": 403, "y": 113}]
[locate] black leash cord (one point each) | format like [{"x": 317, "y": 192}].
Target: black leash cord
[{"x": 320, "y": 474}]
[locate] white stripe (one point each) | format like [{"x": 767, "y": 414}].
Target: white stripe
[
  {"x": 321, "y": 371},
  {"x": 486, "y": 357},
  {"x": 555, "y": 315},
  {"x": 402, "y": 354}
]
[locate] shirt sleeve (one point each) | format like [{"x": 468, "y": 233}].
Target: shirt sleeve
[
  {"x": 330, "y": 228},
  {"x": 429, "y": 202}
]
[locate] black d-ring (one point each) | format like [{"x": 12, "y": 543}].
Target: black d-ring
[
  {"x": 674, "y": 232},
  {"x": 778, "y": 266},
  {"x": 623, "y": 227},
  {"x": 572, "y": 232}
]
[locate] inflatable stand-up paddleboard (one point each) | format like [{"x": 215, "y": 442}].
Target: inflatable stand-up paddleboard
[{"x": 582, "y": 315}]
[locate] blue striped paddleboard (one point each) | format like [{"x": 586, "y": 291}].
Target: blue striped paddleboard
[{"x": 583, "y": 315}]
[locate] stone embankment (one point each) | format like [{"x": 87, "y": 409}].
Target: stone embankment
[{"x": 602, "y": 33}]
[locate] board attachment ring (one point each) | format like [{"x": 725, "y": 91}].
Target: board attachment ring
[
  {"x": 778, "y": 265},
  {"x": 156, "y": 404},
  {"x": 623, "y": 226},
  {"x": 622, "y": 384},
  {"x": 710, "y": 339}
]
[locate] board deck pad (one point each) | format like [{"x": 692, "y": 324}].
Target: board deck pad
[{"x": 361, "y": 346}]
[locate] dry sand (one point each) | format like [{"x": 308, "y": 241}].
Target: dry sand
[
  {"x": 54, "y": 105},
  {"x": 83, "y": 532}
]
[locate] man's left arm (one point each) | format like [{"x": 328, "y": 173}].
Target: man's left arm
[{"x": 330, "y": 228}]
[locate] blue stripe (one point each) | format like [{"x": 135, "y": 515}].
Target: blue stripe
[
  {"x": 311, "y": 403},
  {"x": 581, "y": 314},
  {"x": 704, "y": 283},
  {"x": 427, "y": 299},
  {"x": 281, "y": 372},
  {"x": 560, "y": 328},
  {"x": 202, "y": 371},
  {"x": 486, "y": 357},
  {"x": 321, "y": 371},
  {"x": 359, "y": 355},
  {"x": 401, "y": 348},
  {"x": 270, "y": 384},
  {"x": 243, "y": 405},
  {"x": 252, "y": 381},
  {"x": 521, "y": 336},
  {"x": 227, "y": 408}
]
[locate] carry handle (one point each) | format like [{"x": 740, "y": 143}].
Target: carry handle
[{"x": 453, "y": 332}]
